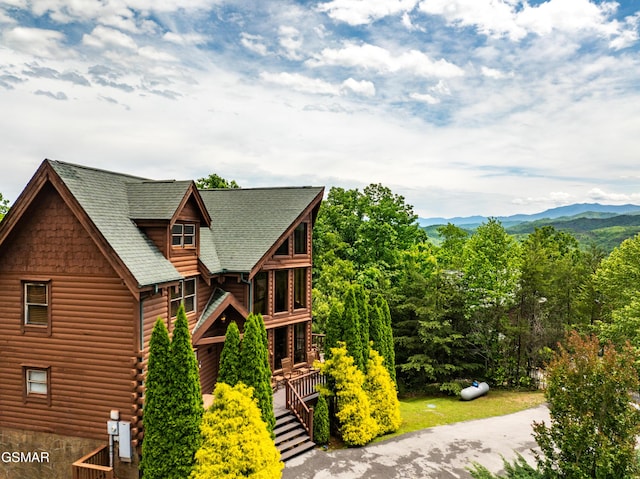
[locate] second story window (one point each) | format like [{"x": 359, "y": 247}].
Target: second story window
[
  {"x": 183, "y": 235},
  {"x": 185, "y": 293},
  {"x": 36, "y": 304},
  {"x": 300, "y": 239},
  {"x": 260, "y": 293}
]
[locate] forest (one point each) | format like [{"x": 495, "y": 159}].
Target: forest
[{"x": 483, "y": 305}]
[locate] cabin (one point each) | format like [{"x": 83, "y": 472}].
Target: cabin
[{"x": 89, "y": 259}]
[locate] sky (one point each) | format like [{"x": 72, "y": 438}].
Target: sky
[{"x": 464, "y": 107}]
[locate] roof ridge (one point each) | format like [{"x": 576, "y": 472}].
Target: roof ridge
[
  {"x": 261, "y": 188},
  {"x": 93, "y": 168}
]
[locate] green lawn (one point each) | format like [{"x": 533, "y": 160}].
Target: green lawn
[{"x": 424, "y": 412}]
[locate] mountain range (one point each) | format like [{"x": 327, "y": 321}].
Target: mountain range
[
  {"x": 604, "y": 226},
  {"x": 553, "y": 213}
]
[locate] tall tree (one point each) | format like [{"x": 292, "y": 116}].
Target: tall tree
[
  {"x": 214, "y": 181},
  {"x": 186, "y": 404},
  {"x": 491, "y": 273},
  {"x": 353, "y": 334},
  {"x": 254, "y": 368},
  {"x": 157, "y": 461},
  {"x": 230, "y": 356},
  {"x": 236, "y": 442},
  {"x": 593, "y": 426}
]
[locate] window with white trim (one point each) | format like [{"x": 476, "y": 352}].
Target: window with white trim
[
  {"x": 36, "y": 304},
  {"x": 37, "y": 383}
]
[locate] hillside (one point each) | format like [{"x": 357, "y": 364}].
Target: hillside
[{"x": 601, "y": 227}]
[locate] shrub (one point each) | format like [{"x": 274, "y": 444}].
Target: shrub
[
  {"x": 383, "y": 398},
  {"x": 518, "y": 470},
  {"x": 236, "y": 442},
  {"x": 356, "y": 425},
  {"x": 321, "y": 421},
  {"x": 593, "y": 424},
  {"x": 230, "y": 356},
  {"x": 254, "y": 368}
]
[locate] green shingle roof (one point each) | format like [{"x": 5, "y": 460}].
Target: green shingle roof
[
  {"x": 104, "y": 196},
  {"x": 155, "y": 200},
  {"x": 245, "y": 223}
]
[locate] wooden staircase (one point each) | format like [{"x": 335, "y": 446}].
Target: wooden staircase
[{"x": 292, "y": 438}]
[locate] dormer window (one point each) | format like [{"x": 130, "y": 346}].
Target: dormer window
[{"x": 183, "y": 235}]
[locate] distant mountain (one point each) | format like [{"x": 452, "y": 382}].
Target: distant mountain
[{"x": 593, "y": 209}]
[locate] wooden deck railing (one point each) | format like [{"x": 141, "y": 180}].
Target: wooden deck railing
[
  {"x": 298, "y": 391},
  {"x": 94, "y": 465}
]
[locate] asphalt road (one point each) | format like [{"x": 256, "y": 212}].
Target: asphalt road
[{"x": 443, "y": 452}]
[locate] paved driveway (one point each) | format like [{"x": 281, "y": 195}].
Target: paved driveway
[{"x": 442, "y": 452}]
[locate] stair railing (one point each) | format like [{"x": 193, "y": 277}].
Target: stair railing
[{"x": 298, "y": 390}]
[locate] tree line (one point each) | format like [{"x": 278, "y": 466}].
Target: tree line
[{"x": 480, "y": 305}]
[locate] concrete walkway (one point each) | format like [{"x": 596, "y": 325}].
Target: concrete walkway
[{"x": 442, "y": 452}]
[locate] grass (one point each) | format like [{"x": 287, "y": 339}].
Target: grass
[{"x": 429, "y": 411}]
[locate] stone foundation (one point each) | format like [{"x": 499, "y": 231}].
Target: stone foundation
[{"x": 31, "y": 455}]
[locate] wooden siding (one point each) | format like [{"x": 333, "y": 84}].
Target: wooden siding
[{"x": 90, "y": 349}]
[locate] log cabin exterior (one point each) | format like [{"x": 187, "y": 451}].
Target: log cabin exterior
[{"x": 89, "y": 259}]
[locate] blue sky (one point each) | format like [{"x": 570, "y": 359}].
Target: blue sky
[{"x": 464, "y": 107}]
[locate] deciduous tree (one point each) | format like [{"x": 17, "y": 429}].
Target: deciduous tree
[{"x": 593, "y": 426}]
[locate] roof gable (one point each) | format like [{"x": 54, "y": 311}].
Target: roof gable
[
  {"x": 246, "y": 223},
  {"x": 103, "y": 195}
]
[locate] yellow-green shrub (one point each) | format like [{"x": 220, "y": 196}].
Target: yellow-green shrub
[
  {"x": 356, "y": 425},
  {"x": 383, "y": 398},
  {"x": 236, "y": 443}
]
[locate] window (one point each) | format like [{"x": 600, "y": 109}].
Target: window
[
  {"x": 260, "y": 293},
  {"x": 299, "y": 288},
  {"x": 300, "y": 343},
  {"x": 36, "y": 383},
  {"x": 183, "y": 235},
  {"x": 185, "y": 293},
  {"x": 281, "y": 291},
  {"x": 36, "y": 304},
  {"x": 300, "y": 239},
  {"x": 283, "y": 249}
]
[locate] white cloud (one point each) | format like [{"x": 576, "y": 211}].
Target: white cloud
[
  {"x": 291, "y": 42},
  {"x": 254, "y": 43},
  {"x": 381, "y": 60},
  {"x": 185, "y": 38},
  {"x": 555, "y": 198},
  {"x": 598, "y": 194},
  {"x": 493, "y": 73},
  {"x": 103, "y": 37},
  {"x": 425, "y": 98},
  {"x": 360, "y": 12},
  {"x": 362, "y": 87},
  {"x": 307, "y": 84},
  {"x": 153, "y": 53},
  {"x": 504, "y": 18},
  {"x": 35, "y": 41}
]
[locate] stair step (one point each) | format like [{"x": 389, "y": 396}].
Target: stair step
[
  {"x": 285, "y": 427},
  {"x": 291, "y": 443},
  {"x": 296, "y": 451},
  {"x": 299, "y": 431}
]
